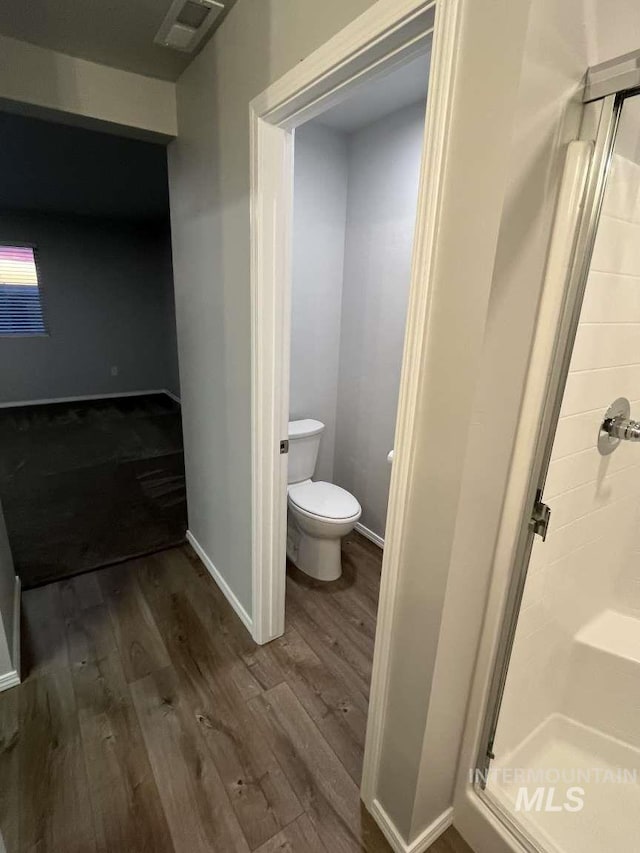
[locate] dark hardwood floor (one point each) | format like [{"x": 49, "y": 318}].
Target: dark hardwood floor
[{"x": 148, "y": 720}]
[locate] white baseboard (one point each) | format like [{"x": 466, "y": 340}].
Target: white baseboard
[
  {"x": 12, "y": 678},
  {"x": 15, "y": 651},
  {"x": 9, "y": 679},
  {"x": 224, "y": 586},
  {"x": 369, "y": 534},
  {"x": 419, "y": 844},
  {"x": 110, "y": 396}
]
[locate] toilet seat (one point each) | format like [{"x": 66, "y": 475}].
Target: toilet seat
[{"x": 324, "y": 501}]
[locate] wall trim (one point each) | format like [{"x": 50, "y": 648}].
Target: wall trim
[
  {"x": 370, "y": 535},
  {"x": 221, "y": 582},
  {"x": 15, "y": 640},
  {"x": 8, "y": 680},
  {"x": 422, "y": 842},
  {"x": 46, "y": 401},
  {"x": 12, "y": 677}
]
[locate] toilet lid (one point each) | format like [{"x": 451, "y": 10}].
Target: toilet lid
[{"x": 324, "y": 499}]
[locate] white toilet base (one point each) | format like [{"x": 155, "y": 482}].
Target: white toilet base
[{"x": 319, "y": 558}]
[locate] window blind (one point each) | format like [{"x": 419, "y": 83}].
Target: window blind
[{"x": 20, "y": 303}]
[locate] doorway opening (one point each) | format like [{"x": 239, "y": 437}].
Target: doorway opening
[
  {"x": 356, "y": 177},
  {"x": 91, "y": 451},
  {"x": 353, "y": 89},
  {"x": 352, "y": 186},
  {"x": 355, "y": 191}
]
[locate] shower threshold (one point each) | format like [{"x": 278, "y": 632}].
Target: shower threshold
[{"x": 563, "y": 754}]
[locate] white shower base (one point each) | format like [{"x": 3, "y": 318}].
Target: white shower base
[{"x": 609, "y": 818}]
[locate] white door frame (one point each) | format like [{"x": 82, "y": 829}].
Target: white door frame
[{"x": 389, "y": 34}]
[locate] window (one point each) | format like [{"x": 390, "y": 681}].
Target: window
[{"x": 20, "y": 303}]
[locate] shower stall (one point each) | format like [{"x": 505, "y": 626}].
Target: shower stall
[{"x": 559, "y": 761}]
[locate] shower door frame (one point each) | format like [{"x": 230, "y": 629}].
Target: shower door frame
[
  {"x": 568, "y": 320},
  {"x": 551, "y": 359}
]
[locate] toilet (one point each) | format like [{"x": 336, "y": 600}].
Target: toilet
[{"x": 319, "y": 513}]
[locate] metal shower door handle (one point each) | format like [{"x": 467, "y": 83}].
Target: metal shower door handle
[{"x": 617, "y": 426}]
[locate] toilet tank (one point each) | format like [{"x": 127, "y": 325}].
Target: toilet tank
[{"x": 304, "y": 444}]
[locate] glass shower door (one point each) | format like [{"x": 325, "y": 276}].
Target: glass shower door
[{"x": 566, "y": 748}]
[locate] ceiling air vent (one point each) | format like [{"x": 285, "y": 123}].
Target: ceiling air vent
[{"x": 187, "y": 22}]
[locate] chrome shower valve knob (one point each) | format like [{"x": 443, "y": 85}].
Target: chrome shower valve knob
[{"x": 617, "y": 426}]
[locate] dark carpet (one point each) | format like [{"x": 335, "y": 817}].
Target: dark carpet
[{"x": 86, "y": 484}]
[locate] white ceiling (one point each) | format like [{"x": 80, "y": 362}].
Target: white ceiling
[
  {"x": 112, "y": 32},
  {"x": 377, "y": 98}
]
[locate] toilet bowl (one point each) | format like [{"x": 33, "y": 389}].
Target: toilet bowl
[{"x": 319, "y": 514}]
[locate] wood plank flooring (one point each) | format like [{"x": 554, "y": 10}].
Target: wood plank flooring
[{"x": 149, "y": 722}]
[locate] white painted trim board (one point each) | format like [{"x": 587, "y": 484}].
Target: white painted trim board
[
  {"x": 82, "y": 397},
  {"x": 370, "y": 535},
  {"x": 422, "y": 842},
  {"x": 220, "y": 581},
  {"x": 9, "y": 679},
  {"x": 15, "y": 650},
  {"x": 12, "y": 678}
]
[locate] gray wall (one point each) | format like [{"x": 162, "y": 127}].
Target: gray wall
[
  {"x": 319, "y": 217},
  {"x": 384, "y": 170},
  {"x": 107, "y": 290},
  {"x": 350, "y": 291}
]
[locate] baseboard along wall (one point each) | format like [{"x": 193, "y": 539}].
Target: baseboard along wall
[
  {"x": 12, "y": 677},
  {"x": 221, "y": 582},
  {"x": 111, "y": 396},
  {"x": 369, "y": 534},
  {"x": 422, "y": 842}
]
